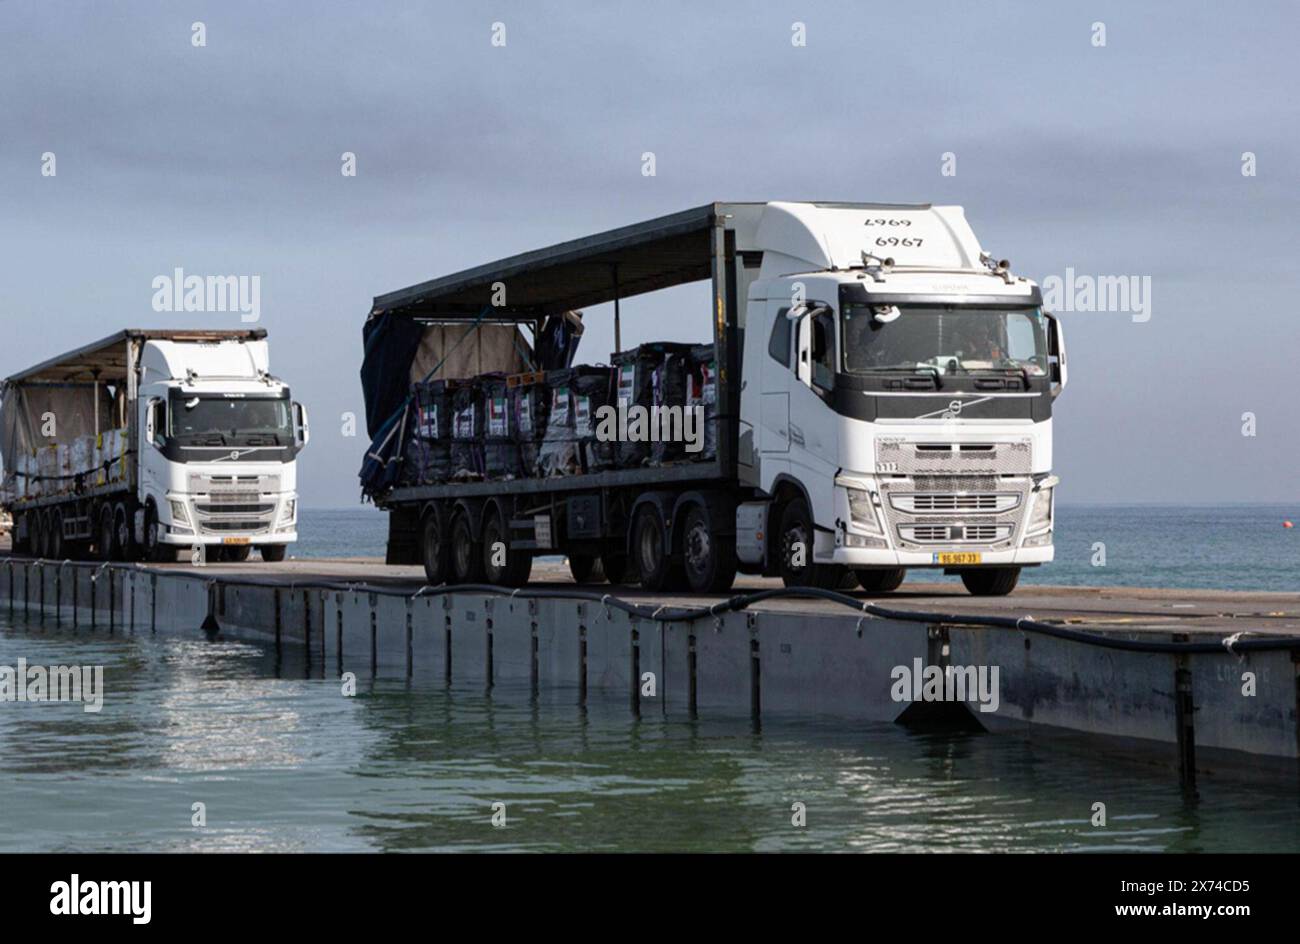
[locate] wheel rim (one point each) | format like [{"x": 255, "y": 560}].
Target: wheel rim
[
  {"x": 491, "y": 535},
  {"x": 462, "y": 548},
  {"x": 432, "y": 548},
  {"x": 699, "y": 547},
  {"x": 793, "y": 537}
]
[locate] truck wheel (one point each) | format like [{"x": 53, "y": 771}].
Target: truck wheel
[
  {"x": 991, "y": 581},
  {"x": 658, "y": 571},
  {"x": 502, "y": 566},
  {"x": 433, "y": 550},
  {"x": 123, "y": 539},
  {"x": 796, "y": 537},
  {"x": 36, "y": 533},
  {"x": 22, "y": 523},
  {"x": 54, "y": 543},
  {"x": 154, "y": 550},
  {"x": 273, "y": 553},
  {"x": 586, "y": 568},
  {"x": 466, "y": 553},
  {"x": 709, "y": 558},
  {"x": 618, "y": 569},
  {"x": 881, "y": 581},
  {"x": 104, "y": 533}
]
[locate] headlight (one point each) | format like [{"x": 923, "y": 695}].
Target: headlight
[
  {"x": 179, "y": 514},
  {"x": 862, "y": 511},
  {"x": 290, "y": 509},
  {"x": 1040, "y": 518}
]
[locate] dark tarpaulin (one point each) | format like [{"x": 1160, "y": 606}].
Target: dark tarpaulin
[{"x": 390, "y": 345}]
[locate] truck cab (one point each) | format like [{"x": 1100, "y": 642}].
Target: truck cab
[
  {"x": 219, "y": 436},
  {"x": 896, "y": 401}
]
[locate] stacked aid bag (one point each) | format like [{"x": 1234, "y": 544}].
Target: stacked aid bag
[
  {"x": 668, "y": 394},
  {"x": 428, "y": 451},
  {"x": 635, "y": 381},
  {"x": 500, "y": 451},
  {"x": 467, "y": 430},
  {"x": 558, "y": 454},
  {"x": 702, "y": 392},
  {"x": 529, "y": 405},
  {"x": 592, "y": 390}
]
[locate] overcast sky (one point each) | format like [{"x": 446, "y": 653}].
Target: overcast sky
[{"x": 1117, "y": 160}]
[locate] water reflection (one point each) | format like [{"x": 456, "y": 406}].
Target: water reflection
[{"x": 284, "y": 762}]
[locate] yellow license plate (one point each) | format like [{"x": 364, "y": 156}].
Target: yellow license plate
[
  {"x": 248, "y": 540},
  {"x": 964, "y": 557}
]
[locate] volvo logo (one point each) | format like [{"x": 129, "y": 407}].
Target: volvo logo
[{"x": 953, "y": 410}]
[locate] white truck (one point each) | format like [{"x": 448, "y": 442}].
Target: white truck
[
  {"x": 884, "y": 400},
  {"x": 151, "y": 442}
]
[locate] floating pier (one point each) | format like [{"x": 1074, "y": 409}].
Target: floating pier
[{"x": 1196, "y": 680}]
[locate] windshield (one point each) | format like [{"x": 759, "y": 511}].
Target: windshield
[
  {"x": 946, "y": 339},
  {"x": 230, "y": 421}
]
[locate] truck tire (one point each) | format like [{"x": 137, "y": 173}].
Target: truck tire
[
  {"x": 123, "y": 538},
  {"x": 36, "y": 533},
  {"x": 273, "y": 553},
  {"x": 797, "y": 528},
  {"x": 466, "y": 553},
  {"x": 990, "y": 581},
  {"x": 586, "y": 568},
  {"x": 657, "y": 568},
  {"x": 877, "y": 580},
  {"x": 709, "y": 558},
  {"x": 518, "y": 565},
  {"x": 105, "y": 532},
  {"x": 433, "y": 549},
  {"x": 54, "y": 543},
  {"x": 153, "y": 550}
]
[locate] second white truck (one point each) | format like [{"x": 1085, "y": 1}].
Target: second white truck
[{"x": 152, "y": 443}]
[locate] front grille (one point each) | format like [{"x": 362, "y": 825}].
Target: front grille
[
  {"x": 224, "y": 525},
  {"x": 931, "y": 502},
  {"x": 955, "y": 533},
  {"x": 202, "y": 483},
  {"x": 231, "y": 508}
]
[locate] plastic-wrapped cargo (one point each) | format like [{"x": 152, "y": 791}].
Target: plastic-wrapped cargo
[
  {"x": 635, "y": 388},
  {"x": 558, "y": 453},
  {"x": 428, "y": 447},
  {"x": 529, "y": 408},
  {"x": 702, "y": 392},
  {"x": 500, "y": 451},
  {"x": 47, "y": 470},
  {"x": 83, "y": 455},
  {"x": 592, "y": 389},
  {"x": 467, "y": 430},
  {"x": 668, "y": 394}
]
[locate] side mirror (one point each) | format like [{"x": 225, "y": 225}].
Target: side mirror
[
  {"x": 301, "y": 431},
  {"x": 1057, "y": 370}
]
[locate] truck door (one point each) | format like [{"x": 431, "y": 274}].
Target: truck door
[{"x": 776, "y": 374}]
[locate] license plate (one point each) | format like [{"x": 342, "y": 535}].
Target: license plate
[
  {"x": 964, "y": 557},
  {"x": 248, "y": 540}
]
